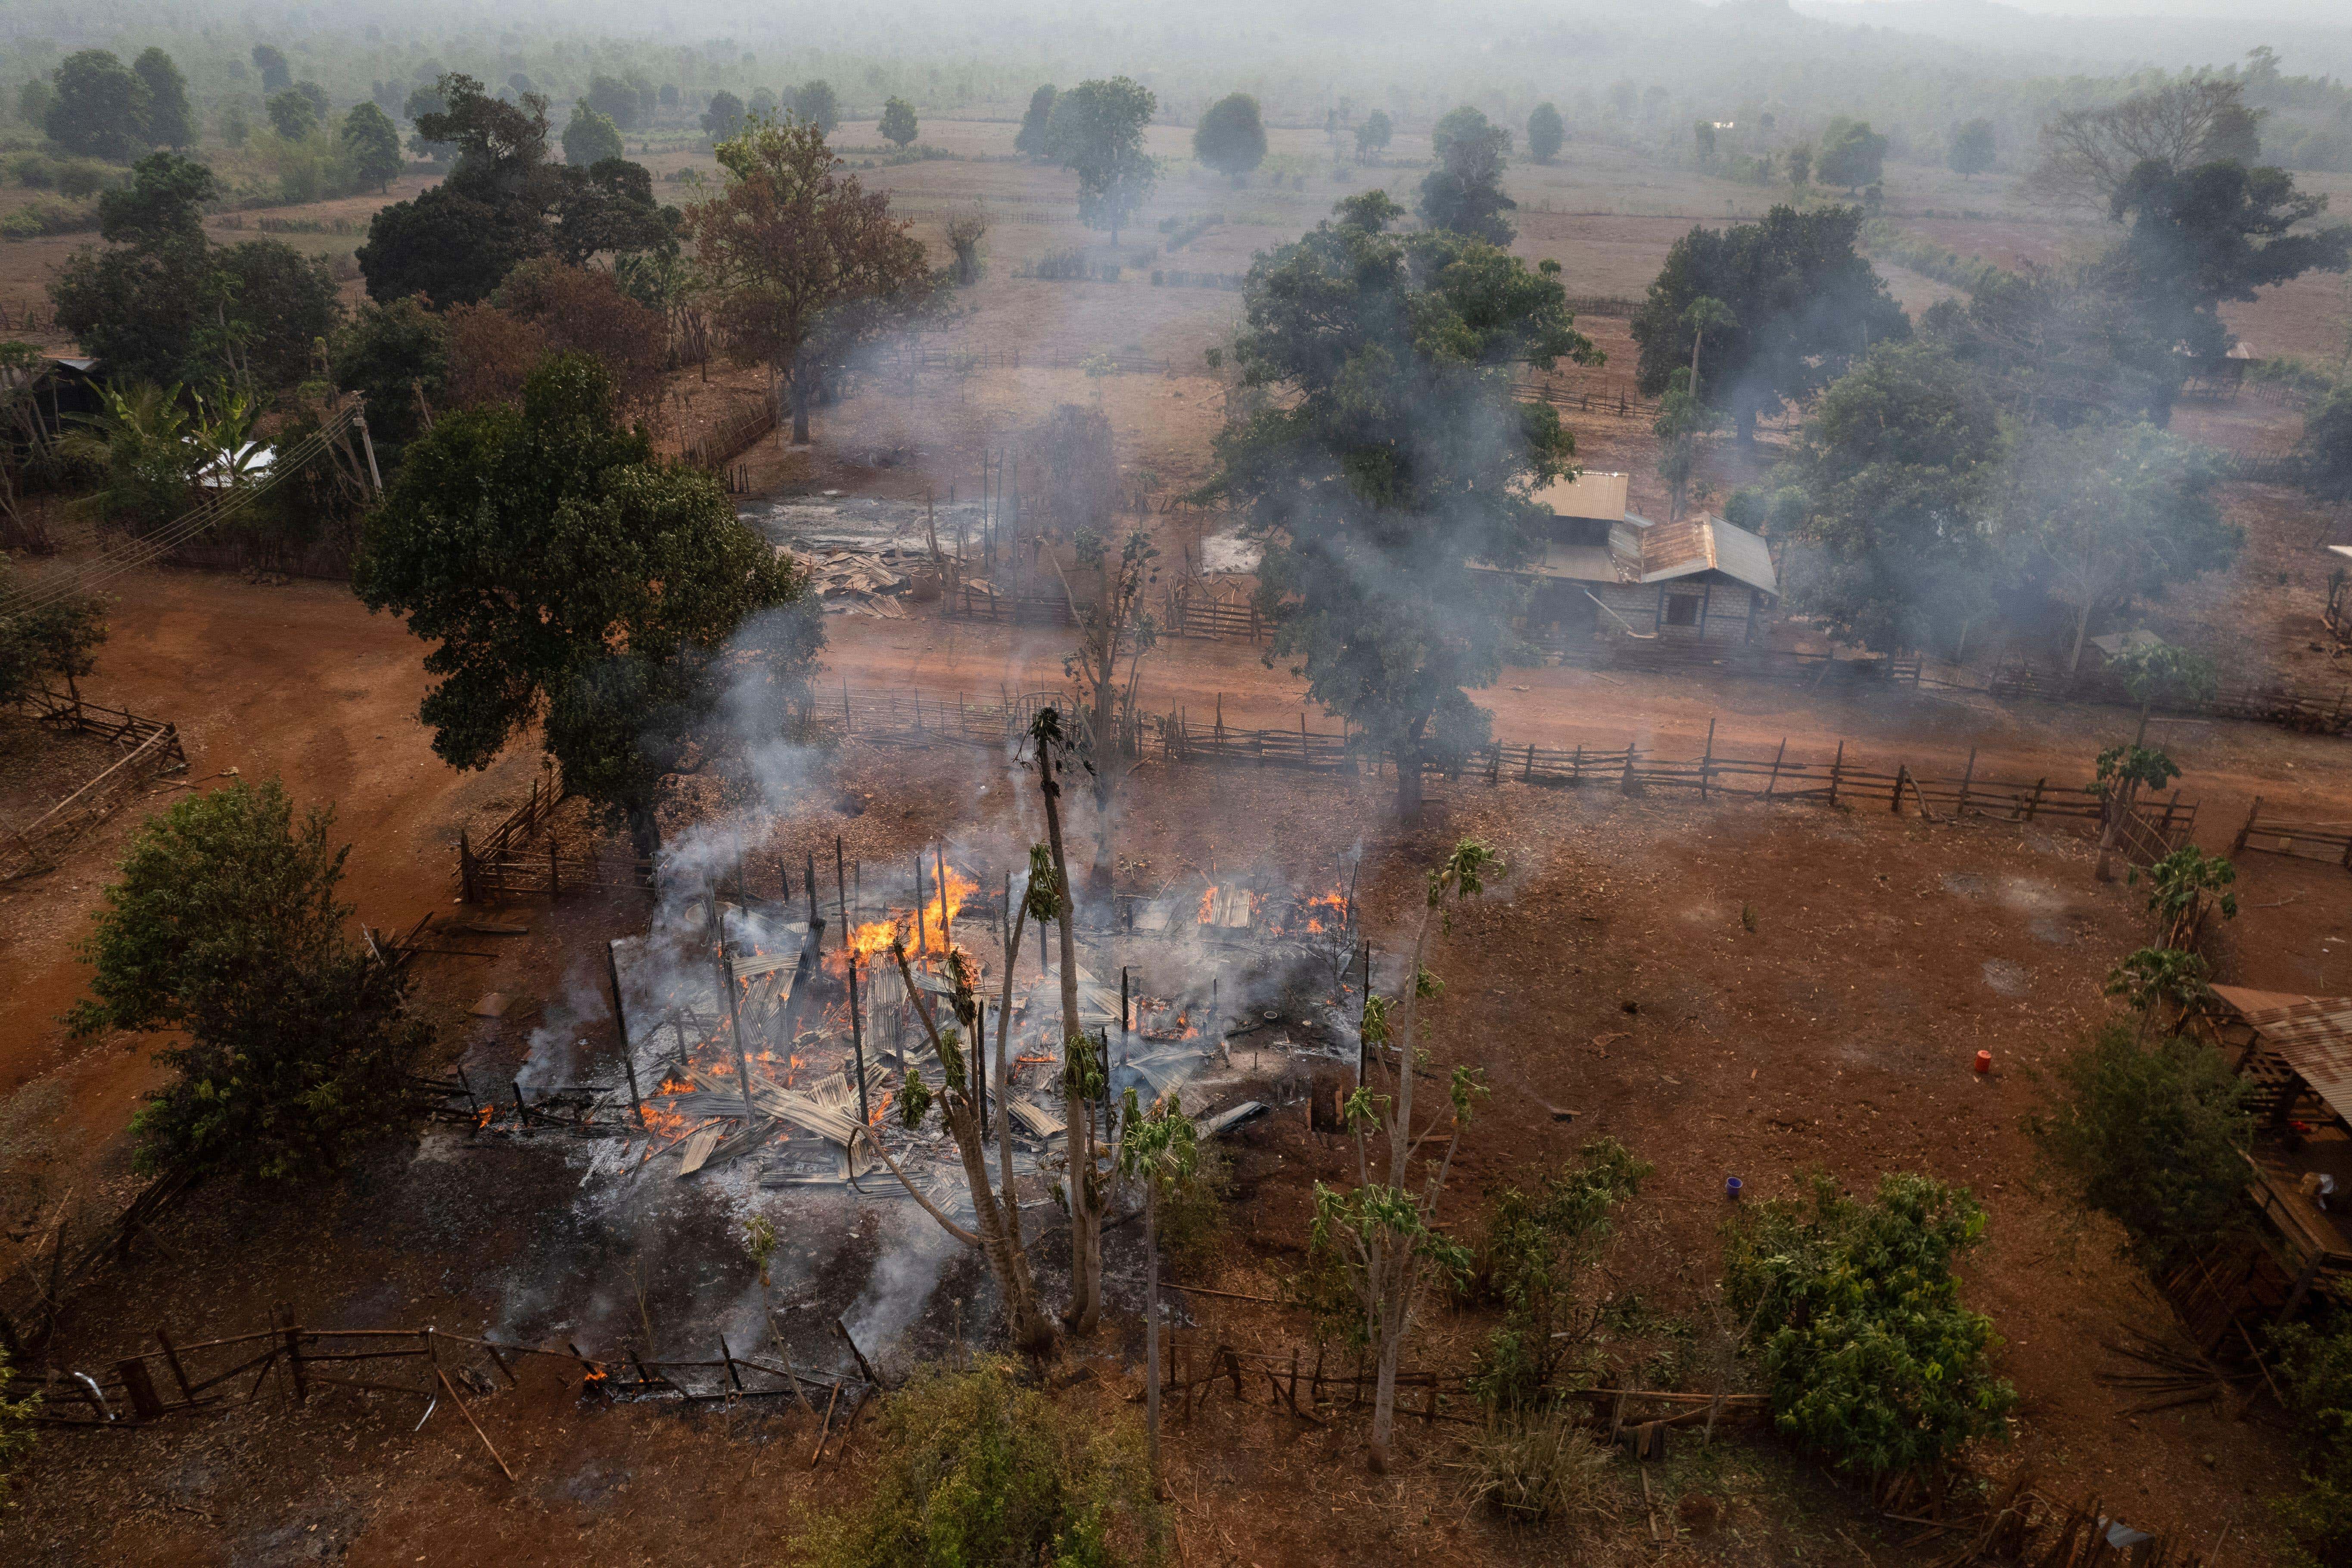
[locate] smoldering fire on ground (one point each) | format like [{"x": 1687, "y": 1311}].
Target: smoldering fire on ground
[{"x": 758, "y": 991}]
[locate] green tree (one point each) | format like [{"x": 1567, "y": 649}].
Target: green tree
[
  {"x": 982, "y": 1467},
  {"x": 99, "y": 108},
  {"x": 1036, "y": 135},
  {"x": 1850, "y": 154},
  {"x": 1372, "y": 137},
  {"x": 57, "y": 639},
  {"x": 723, "y": 120},
  {"x": 1806, "y": 304},
  {"x": 2323, "y": 454},
  {"x": 1800, "y": 164},
  {"x": 1870, "y": 1356},
  {"x": 616, "y": 100},
  {"x": 504, "y": 202},
  {"x": 292, "y": 115},
  {"x": 2151, "y": 1131},
  {"x": 371, "y": 143},
  {"x": 277, "y": 75},
  {"x": 2184, "y": 889},
  {"x": 1159, "y": 1152},
  {"x": 591, "y": 137},
  {"x": 2103, "y": 516},
  {"x": 170, "y": 121},
  {"x": 1972, "y": 149},
  {"x": 1388, "y": 454},
  {"x": 801, "y": 258},
  {"x": 1230, "y": 137},
  {"x": 815, "y": 103},
  {"x": 1465, "y": 192},
  {"x": 897, "y": 124},
  {"x": 2315, "y": 1362},
  {"x": 1546, "y": 133},
  {"x": 1703, "y": 143},
  {"x": 571, "y": 580},
  {"x": 33, "y": 101},
  {"x": 225, "y": 930},
  {"x": 1896, "y": 467},
  {"x": 2215, "y": 232},
  {"x": 395, "y": 356},
  {"x": 1097, "y": 132},
  {"x": 162, "y": 304}
]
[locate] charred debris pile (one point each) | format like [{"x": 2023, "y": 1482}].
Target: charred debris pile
[{"x": 770, "y": 1039}]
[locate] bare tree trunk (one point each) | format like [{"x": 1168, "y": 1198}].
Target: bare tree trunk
[
  {"x": 1004, "y": 1067},
  {"x": 1409, "y": 769},
  {"x": 1151, "y": 1325},
  {"x": 2081, "y": 629},
  {"x": 1086, "y": 1216}
]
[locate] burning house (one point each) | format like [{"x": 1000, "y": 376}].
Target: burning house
[{"x": 1603, "y": 570}]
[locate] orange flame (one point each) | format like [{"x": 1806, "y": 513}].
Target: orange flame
[{"x": 1208, "y": 905}]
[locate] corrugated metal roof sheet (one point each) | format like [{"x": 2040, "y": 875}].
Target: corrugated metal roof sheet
[
  {"x": 1589, "y": 494},
  {"x": 2311, "y": 1033},
  {"x": 1671, "y": 550}
]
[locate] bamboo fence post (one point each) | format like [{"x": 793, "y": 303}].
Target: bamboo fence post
[
  {"x": 1836, "y": 767},
  {"x": 2238, "y": 845},
  {"x": 2035, "y": 803},
  {"x": 172, "y": 1360},
  {"x": 1707, "y": 762},
  {"x": 1774, "y": 780}
]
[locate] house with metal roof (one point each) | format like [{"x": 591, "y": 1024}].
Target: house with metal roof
[{"x": 1605, "y": 571}]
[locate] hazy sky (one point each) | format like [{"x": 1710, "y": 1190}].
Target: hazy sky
[{"x": 2250, "y": 13}]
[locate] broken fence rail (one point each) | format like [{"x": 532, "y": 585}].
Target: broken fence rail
[
  {"x": 2299, "y": 840},
  {"x": 195, "y": 1378},
  {"x": 153, "y": 749}
]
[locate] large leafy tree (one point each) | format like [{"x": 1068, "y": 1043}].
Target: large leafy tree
[
  {"x": 616, "y": 100},
  {"x": 163, "y": 304},
  {"x": 1804, "y": 305},
  {"x": 2059, "y": 346},
  {"x": 225, "y": 930},
  {"x": 504, "y": 202},
  {"x": 1034, "y": 136},
  {"x": 897, "y": 125},
  {"x": 1465, "y": 192},
  {"x": 1894, "y": 469},
  {"x": 277, "y": 75},
  {"x": 2215, "y": 232},
  {"x": 170, "y": 121},
  {"x": 802, "y": 259},
  {"x": 1971, "y": 152},
  {"x": 571, "y": 580},
  {"x": 371, "y": 142},
  {"x": 99, "y": 108},
  {"x": 1850, "y": 154},
  {"x": 2105, "y": 515},
  {"x": 1387, "y": 454},
  {"x": 816, "y": 102},
  {"x": 58, "y": 639},
  {"x": 723, "y": 120},
  {"x": 292, "y": 115},
  {"x": 2324, "y": 455},
  {"x": 1230, "y": 137},
  {"x": 1096, "y": 133},
  {"x": 395, "y": 356},
  {"x": 1855, "y": 1308},
  {"x": 591, "y": 137},
  {"x": 1545, "y": 132}
]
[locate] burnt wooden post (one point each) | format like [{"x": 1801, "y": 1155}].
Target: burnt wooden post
[
  {"x": 857, "y": 1042},
  {"x": 734, "y": 1016},
  {"x": 621, "y": 1023},
  {"x": 1895, "y": 799},
  {"x": 2238, "y": 845},
  {"x": 841, "y": 888},
  {"x": 728, "y": 1357},
  {"x": 1836, "y": 767},
  {"x": 1529, "y": 774},
  {"x": 554, "y": 874},
  {"x": 1706, "y": 764},
  {"x": 294, "y": 1359},
  {"x": 144, "y": 1405},
  {"x": 919, "y": 906},
  {"x": 2035, "y": 804},
  {"x": 520, "y": 1109},
  {"x": 1966, "y": 779},
  {"x": 1772, "y": 783},
  {"x": 809, "y": 881},
  {"x": 172, "y": 1360},
  {"x": 946, "y": 928}
]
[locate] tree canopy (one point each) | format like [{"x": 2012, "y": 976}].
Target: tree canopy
[
  {"x": 1971, "y": 151},
  {"x": 591, "y": 137},
  {"x": 1373, "y": 135},
  {"x": 897, "y": 124},
  {"x": 504, "y": 202},
  {"x": 371, "y": 142},
  {"x": 2214, "y": 232},
  {"x": 1805, "y": 304},
  {"x": 723, "y": 120},
  {"x": 1230, "y": 137},
  {"x": 170, "y": 121},
  {"x": 2324, "y": 455},
  {"x": 1465, "y": 192},
  {"x": 802, "y": 259},
  {"x": 224, "y": 926},
  {"x": 1036, "y": 135},
  {"x": 292, "y": 115},
  {"x": 1388, "y": 456},
  {"x": 1850, "y": 154},
  {"x": 1545, "y": 132},
  {"x": 569, "y": 578},
  {"x": 163, "y": 304},
  {"x": 1097, "y": 132},
  {"x": 277, "y": 75},
  {"x": 1894, "y": 469},
  {"x": 98, "y": 108},
  {"x": 816, "y": 102}
]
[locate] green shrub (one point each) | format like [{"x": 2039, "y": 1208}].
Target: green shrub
[
  {"x": 1193, "y": 1216},
  {"x": 1871, "y": 1357},
  {"x": 2150, "y": 1133},
  {"x": 1540, "y": 1239},
  {"x": 976, "y": 1467},
  {"x": 2317, "y": 1363}
]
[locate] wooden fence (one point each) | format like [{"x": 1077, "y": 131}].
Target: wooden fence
[
  {"x": 508, "y": 865},
  {"x": 733, "y": 435},
  {"x": 151, "y": 749},
  {"x": 2299, "y": 840},
  {"x": 2294, "y": 708}
]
